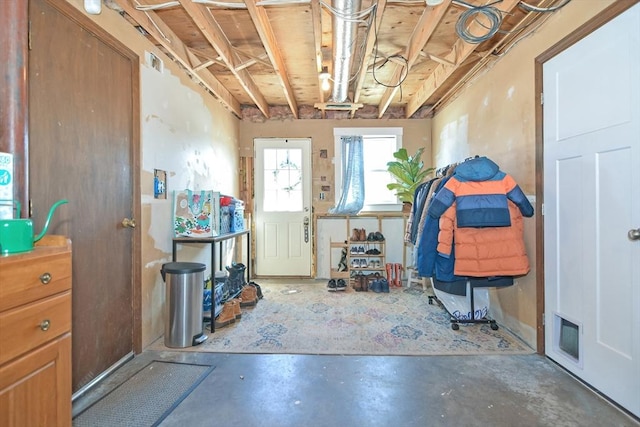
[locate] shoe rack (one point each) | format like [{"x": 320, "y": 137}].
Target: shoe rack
[
  {"x": 366, "y": 253},
  {"x": 357, "y": 246}
]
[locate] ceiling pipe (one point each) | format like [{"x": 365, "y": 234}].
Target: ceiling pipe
[{"x": 344, "y": 38}]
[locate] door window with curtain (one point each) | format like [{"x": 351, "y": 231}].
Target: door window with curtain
[{"x": 378, "y": 146}]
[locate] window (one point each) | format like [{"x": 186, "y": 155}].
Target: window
[{"x": 379, "y": 144}]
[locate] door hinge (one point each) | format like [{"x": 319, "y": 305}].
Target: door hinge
[
  {"x": 541, "y": 98},
  {"x": 543, "y": 319},
  {"x": 542, "y": 209},
  {"x": 29, "y": 36}
]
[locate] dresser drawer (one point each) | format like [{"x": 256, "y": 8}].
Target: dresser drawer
[
  {"x": 23, "y": 282},
  {"x": 26, "y": 327}
]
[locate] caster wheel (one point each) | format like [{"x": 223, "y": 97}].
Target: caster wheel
[
  {"x": 494, "y": 326},
  {"x": 455, "y": 326}
]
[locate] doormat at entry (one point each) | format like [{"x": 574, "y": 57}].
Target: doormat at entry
[{"x": 146, "y": 398}]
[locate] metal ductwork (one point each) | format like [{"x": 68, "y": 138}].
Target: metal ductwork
[{"x": 345, "y": 30}]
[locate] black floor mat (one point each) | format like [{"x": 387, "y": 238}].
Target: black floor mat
[{"x": 147, "y": 397}]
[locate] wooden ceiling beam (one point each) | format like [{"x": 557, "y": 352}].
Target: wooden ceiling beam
[
  {"x": 427, "y": 24},
  {"x": 316, "y": 21},
  {"x": 211, "y": 30},
  {"x": 370, "y": 44},
  {"x": 265, "y": 31},
  {"x": 165, "y": 37},
  {"x": 461, "y": 50}
]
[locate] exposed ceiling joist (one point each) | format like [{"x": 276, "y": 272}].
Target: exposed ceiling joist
[
  {"x": 165, "y": 37},
  {"x": 460, "y": 51},
  {"x": 263, "y": 26},
  {"x": 216, "y": 37},
  {"x": 368, "y": 51},
  {"x": 426, "y": 26},
  {"x": 316, "y": 19}
]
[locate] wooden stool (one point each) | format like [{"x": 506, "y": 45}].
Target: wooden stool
[{"x": 413, "y": 277}]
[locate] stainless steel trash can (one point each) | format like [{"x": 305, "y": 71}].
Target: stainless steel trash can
[{"x": 183, "y": 305}]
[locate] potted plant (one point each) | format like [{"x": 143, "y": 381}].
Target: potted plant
[{"x": 409, "y": 173}]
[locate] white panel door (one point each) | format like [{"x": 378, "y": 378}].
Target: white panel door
[
  {"x": 592, "y": 207},
  {"x": 282, "y": 182}
]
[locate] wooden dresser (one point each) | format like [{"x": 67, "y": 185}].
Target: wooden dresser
[{"x": 35, "y": 335}]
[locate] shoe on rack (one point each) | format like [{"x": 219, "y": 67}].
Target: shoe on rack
[
  {"x": 363, "y": 235},
  {"x": 331, "y": 286},
  {"x": 371, "y": 237},
  {"x": 341, "y": 285},
  {"x": 355, "y": 263},
  {"x": 355, "y": 236},
  {"x": 361, "y": 250},
  {"x": 357, "y": 282},
  {"x": 364, "y": 263},
  {"x": 378, "y": 236}
]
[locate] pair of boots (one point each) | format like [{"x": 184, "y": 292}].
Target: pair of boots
[
  {"x": 359, "y": 235},
  {"x": 394, "y": 274},
  {"x": 231, "y": 312}
]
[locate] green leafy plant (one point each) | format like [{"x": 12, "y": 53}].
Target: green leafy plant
[{"x": 409, "y": 173}]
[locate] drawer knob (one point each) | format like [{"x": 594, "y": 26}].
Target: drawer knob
[
  {"x": 44, "y": 325},
  {"x": 45, "y": 278}
]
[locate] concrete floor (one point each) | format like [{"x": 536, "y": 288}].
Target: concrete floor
[{"x": 246, "y": 390}]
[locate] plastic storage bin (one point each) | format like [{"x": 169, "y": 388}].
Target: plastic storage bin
[{"x": 183, "y": 304}]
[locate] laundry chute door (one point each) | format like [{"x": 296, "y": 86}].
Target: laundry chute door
[{"x": 591, "y": 207}]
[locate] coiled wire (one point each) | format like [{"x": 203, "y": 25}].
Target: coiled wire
[{"x": 491, "y": 13}]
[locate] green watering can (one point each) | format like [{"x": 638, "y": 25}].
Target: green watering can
[{"x": 16, "y": 235}]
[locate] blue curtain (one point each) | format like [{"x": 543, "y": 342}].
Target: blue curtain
[{"x": 352, "y": 197}]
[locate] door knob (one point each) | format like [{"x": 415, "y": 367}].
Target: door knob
[
  {"x": 634, "y": 234},
  {"x": 129, "y": 223}
]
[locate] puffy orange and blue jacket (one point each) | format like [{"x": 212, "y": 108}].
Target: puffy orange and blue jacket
[{"x": 480, "y": 191}]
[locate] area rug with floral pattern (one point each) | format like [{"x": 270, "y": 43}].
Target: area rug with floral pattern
[{"x": 302, "y": 317}]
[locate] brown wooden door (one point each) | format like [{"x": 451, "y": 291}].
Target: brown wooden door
[{"x": 81, "y": 148}]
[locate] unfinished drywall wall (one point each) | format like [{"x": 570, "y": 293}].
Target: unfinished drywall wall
[
  {"x": 416, "y": 133},
  {"x": 185, "y": 133},
  {"x": 494, "y": 116}
]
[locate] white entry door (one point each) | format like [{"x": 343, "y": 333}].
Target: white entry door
[
  {"x": 592, "y": 209},
  {"x": 282, "y": 183}
]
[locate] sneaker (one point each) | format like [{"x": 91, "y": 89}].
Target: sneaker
[
  {"x": 341, "y": 285},
  {"x": 378, "y": 236},
  {"x": 353, "y": 250},
  {"x": 361, "y": 249},
  {"x": 355, "y": 263},
  {"x": 331, "y": 286},
  {"x": 364, "y": 263}
]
